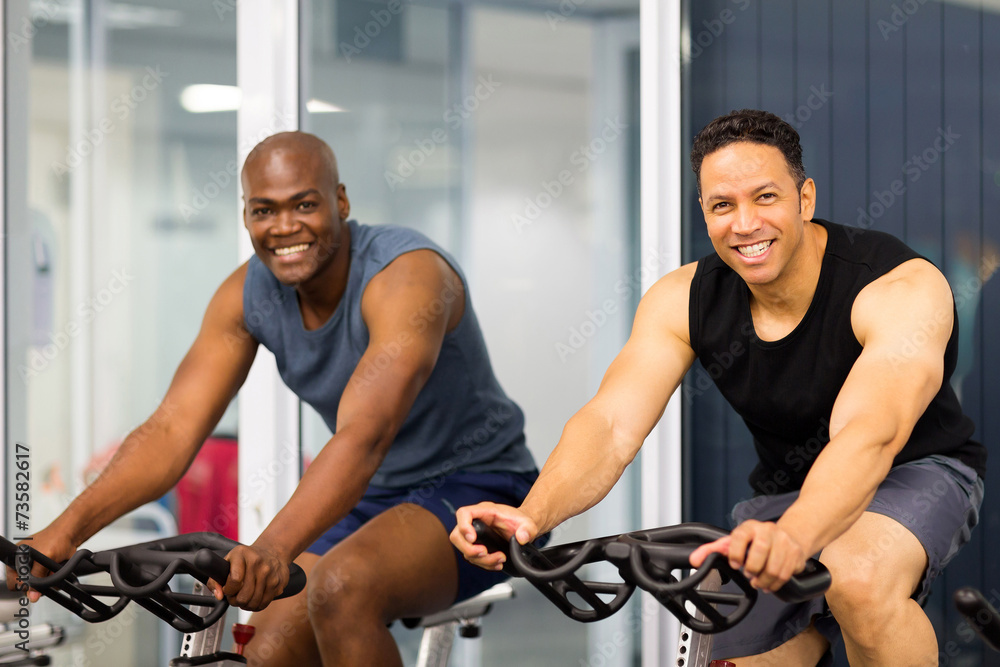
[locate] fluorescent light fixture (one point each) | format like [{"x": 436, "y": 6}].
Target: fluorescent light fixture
[
  {"x": 129, "y": 17},
  {"x": 116, "y": 15},
  {"x": 209, "y": 98},
  {"x": 319, "y": 106}
]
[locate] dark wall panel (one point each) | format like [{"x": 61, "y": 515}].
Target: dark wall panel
[
  {"x": 987, "y": 359},
  {"x": 742, "y": 38},
  {"x": 777, "y": 57},
  {"x": 848, "y": 184},
  {"x": 886, "y": 131},
  {"x": 814, "y": 96},
  {"x": 924, "y": 117}
]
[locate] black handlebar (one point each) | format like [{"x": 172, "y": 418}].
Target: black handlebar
[
  {"x": 140, "y": 573},
  {"x": 673, "y": 545},
  {"x": 980, "y": 614},
  {"x": 646, "y": 559}
]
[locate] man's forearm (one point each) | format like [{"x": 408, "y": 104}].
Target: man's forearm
[
  {"x": 837, "y": 490},
  {"x": 332, "y": 485},
  {"x": 580, "y": 472}
]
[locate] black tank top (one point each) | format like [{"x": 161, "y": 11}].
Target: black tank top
[{"x": 784, "y": 390}]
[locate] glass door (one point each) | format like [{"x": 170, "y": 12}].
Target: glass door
[{"x": 120, "y": 158}]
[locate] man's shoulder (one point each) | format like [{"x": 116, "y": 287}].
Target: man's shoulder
[
  {"x": 380, "y": 237},
  {"x": 674, "y": 287},
  {"x": 378, "y": 246},
  {"x": 231, "y": 289},
  {"x": 864, "y": 245}
]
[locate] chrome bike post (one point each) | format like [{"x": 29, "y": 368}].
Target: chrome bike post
[
  {"x": 464, "y": 617},
  {"x": 206, "y": 642},
  {"x": 436, "y": 644},
  {"x": 695, "y": 649}
]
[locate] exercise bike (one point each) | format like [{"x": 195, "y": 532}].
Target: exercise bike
[
  {"x": 143, "y": 573},
  {"x": 980, "y": 615},
  {"x": 657, "y": 561}
]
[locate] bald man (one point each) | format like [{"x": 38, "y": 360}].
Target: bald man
[{"x": 374, "y": 328}]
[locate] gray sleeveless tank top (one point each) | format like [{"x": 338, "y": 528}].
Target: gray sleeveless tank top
[{"x": 461, "y": 420}]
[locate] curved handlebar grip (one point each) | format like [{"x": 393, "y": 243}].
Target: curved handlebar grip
[
  {"x": 527, "y": 560},
  {"x": 553, "y": 582},
  {"x": 216, "y": 566},
  {"x": 489, "y": 538},
  {"x": 296, "y": 582},
  {"x": 811, "y": 582},
  {"x": 213, "y": 564},
  {"x": 980, "y": 614}
]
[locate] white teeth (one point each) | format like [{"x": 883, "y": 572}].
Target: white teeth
[
  {"x": 755, "y": 249},
  {"x": 281, "y": 252}
]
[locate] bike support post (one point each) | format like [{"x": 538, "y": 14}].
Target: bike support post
[
  {"x": 695, "y": 649},
  {"x": 464, "y": 618},
  {"x": 205, "y": 644}
]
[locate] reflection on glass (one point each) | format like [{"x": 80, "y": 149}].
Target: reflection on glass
[{"x": 121, "y": 225}]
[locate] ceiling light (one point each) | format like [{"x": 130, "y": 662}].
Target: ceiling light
[
  {"x": 208, "y": 98},
  {"x": 319, "y": 106}
]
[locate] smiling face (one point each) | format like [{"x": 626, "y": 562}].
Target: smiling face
[
  {"x": 294, "y": 207},
  {"x": 754, "y": 211}
]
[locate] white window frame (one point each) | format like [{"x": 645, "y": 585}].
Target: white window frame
[
  {"x": 267, "y": 71},
  {"x": 660, "y": 214},
  {"x": 3, "y": 271}
]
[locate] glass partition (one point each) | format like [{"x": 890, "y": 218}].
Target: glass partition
[
  {"x": 505, "y": 135},
  {"x": 120, "y": 224}
]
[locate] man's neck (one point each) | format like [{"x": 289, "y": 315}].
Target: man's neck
[
  {"x": 778, "y": 307},
  {"x": 319, "y": 297}
]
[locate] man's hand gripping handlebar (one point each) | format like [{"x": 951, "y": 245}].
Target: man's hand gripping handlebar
[{"x": 647, "y": 559}]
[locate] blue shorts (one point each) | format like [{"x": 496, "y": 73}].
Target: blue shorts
[
  {"x": 440, "y": 497},
  {"x": 936, "y": 498}
]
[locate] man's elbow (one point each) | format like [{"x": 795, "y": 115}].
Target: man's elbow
[
  {"x": 624, "y": 445},
  {"x": 892, "y": 434}
]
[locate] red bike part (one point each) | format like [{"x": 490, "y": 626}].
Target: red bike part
[{"x": 242, "y": 634}]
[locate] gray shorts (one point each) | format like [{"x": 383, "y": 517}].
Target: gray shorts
[{"x": 936, "y": 498}]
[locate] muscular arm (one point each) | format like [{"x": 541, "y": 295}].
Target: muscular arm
[
  {"x": 153, "y": 457},
  {"x": 602, "y": 438},
  {"x": 903, "y": 321},
  {"x": 408, "y": 307}
]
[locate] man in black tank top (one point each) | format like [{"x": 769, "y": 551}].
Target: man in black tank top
[{"x": 842, "y": 343}]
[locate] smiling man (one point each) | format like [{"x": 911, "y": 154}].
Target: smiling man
[
  {"x": 374, "y": 328},
  {"x": 846, "y": 340}
]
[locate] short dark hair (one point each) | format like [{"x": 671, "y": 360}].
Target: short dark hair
[{"x": 753, "y": 125}]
